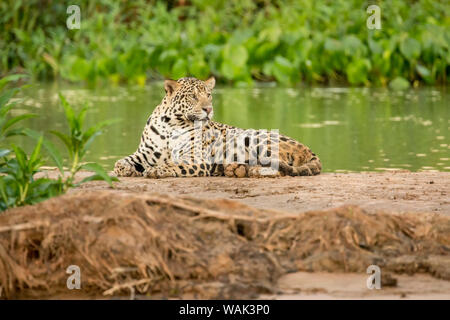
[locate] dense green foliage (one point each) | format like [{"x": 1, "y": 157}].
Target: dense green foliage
[
  {"x": 237, "y": 40},
  {"x": 18, "y": 183}
]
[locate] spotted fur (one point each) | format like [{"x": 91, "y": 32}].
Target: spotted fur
[{"x": 187, "y": 104}]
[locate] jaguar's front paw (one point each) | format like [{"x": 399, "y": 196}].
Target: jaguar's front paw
[{"x": 123, "y": 169}]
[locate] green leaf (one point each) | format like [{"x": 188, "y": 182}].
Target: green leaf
[
  {"x": 96, "y": 130},
  {"x": 37, "y": 151},
  {"x": 99, "y": 171},
  {"x": 353, "y": 46},
  {"x": 3, "y": 111},
  {"x": 81, "y": 116},
  {"x": 332, "y": 45},
  {"x": 423, "y": 71},
  {"x": 20, "y": 156},
  {"x": 179, "y": 69},
  {"x": 410, "y": 48},
  {"x": 10, "y": 78},
  {"x": 89, "y": 141},
  {"x": 4, "y": 152},
  {"x": 65, "y": 139},
  {"x": 70, "y": 114},
  {"x": 6, "y": 96},
  {"x": 49, "y": 146},
  {"x": 95, "y": 177},
  {"x": 79, "y": 68},
  {"x": 375, "y": 47},
  {"x": 14, "y": 120},
  {"x": 234, "y": 61},
  {"x": 399, "y": 83},
  {"x": 99, "y": 126},
  {"x": 198, "y": 67},
  {"x": 54, "y": 154},
  {"x": 357, "y": 71},
  {"x": 283, "y": 70},
  {"x": 14, "y": 132}
]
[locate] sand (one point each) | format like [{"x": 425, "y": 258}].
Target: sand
[{"x": 394, "y": 192}]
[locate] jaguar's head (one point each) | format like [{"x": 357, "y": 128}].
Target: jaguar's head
[{"x": 190, "y": 98}]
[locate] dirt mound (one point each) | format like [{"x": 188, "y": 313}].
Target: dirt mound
[{"x": 180, "y": 247}]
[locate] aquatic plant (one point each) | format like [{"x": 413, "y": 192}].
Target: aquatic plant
[{"x": 238, "y": 41}]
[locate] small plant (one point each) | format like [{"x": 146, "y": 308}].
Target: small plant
[
  {"x": 18, "y": 182},
  {"x": 18, "y": 186},
  {"x": 77, "y": 142}
]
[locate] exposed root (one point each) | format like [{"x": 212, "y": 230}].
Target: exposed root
[{"x": 177, "y": 247}]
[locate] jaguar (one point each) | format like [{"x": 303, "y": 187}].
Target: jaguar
[{"x": 180, "y": 139}]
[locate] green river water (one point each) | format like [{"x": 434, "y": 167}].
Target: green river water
[{"x": 351, "y": 129}]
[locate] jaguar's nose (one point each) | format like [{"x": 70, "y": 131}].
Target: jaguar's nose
[{"x": 207, "y": 109}]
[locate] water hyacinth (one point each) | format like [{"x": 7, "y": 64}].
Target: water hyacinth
[{"x": 239, "y": 41}]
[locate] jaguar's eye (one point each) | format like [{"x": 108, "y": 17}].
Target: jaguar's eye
[{"x": 194, "y": 96}]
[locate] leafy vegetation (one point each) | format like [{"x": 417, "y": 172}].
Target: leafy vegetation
[
  {"x": 18, "y": 183},
  {"x": 6, "y": 123},
  {"x": 238, "y": 41}
]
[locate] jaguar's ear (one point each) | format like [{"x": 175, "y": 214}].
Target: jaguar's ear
[
  {"x": 210, "y": 83},
  {"x": 170, "y": 86}
]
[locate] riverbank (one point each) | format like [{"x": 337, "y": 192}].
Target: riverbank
[{"x": 285, "y": 238}]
